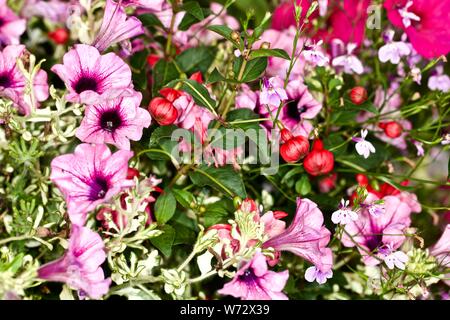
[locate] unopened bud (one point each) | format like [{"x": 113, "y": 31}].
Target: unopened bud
[
  {"x": 235, "y": 36},
  {"x": 265, "y": 45}
]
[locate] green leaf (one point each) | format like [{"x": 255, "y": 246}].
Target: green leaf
[
  {"x": 150, "y": 20},
  {"x": 194, "y": 9},
  {"x": 225, "y": 32},
  {"x": 196, "y": 59},
  {"x": 253, "y": 70},
  {"x": 197, "y": 91},
  {"x": 163, "y": 73},
  {"x": 223, "y": 179},
  {"x": 215, "y": 76},
  {"x": 164, "y": 242},
  {"x": 161, "y": 137},
  {"x": 183, "y": 235},
  {"x": 215, "y": 213},
  {"x": 279, "y": 53},
  {"x": 185, "y": 198},
  {"x": 165, "y": 206},
  {"x": 302, "y": 186}
]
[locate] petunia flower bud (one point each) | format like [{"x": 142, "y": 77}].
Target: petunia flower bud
[
  {"x": 59, "y": 35},
  {"x": 293, "y": 148},
  {"x": 392, "y": 129},
  {"x": 319, "y": 161},
  {"x": 162, "y": 109},
  {"x": 358, "y": 95}
]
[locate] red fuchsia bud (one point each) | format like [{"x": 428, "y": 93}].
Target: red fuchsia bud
[
  {"x": 362, "y": 179},
  {"x": 59, "y": 36},
  {"x": 279, "y": 214},
  {"x": 197, "y": 76},
  {"x": 392, "y": 129},
  {"x": 328, "y": 183},
  {"x": 162, "y": 109},
  {"x": 152, "y": 59},
  {"x": 132, "y": 173},
  {"x": 294, "y": 148},
  {"x": 358, "y": 95},
  {"x": 319, "y": 161}
]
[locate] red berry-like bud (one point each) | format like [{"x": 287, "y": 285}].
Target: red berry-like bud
[
  {"x": 162, "y": 109},
  {"x": 319, "y": 161},
  {"x": 392, "y": 129},
  {"x": 293, "y": 148},
  {"x": 362, "y": 179},
  {"x": 59, "y": 36},
  {"x": 132, "y": 173},
  {"x": 170, "y": 94},
  {"x": 328, "y": 183},
  {"x": 197, "y": 76},
  {"x": 152, "y": 59},
  {"x": 358, "y": 95}
]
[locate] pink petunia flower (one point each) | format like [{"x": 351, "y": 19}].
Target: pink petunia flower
[
  {"x": 254, "y": 281},
  {"x": 80, "y": 267},
  {"x": 11, "y": 26},
  {"x": 92, "y": 78},
  {"x": 116, "y": 27},
  {"x": 374, "y": 232},
  {"x": 426, "y": 22},
  {"x": 90, "y": 176},
  {"x": 441, "y": 251},
  {"x": 115, "y": 121},
  {"x": 13, "y": 82},
  {"x": 54, "y": 10},
  {"x": 306, "y": 237}
]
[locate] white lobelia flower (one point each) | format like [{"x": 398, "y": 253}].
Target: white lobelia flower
[
  {"x": 344, "y": 215},
  {"x": 349, "y": 62},
  {"x": 313, "y": 54},
  {"x": 393, "y": 51},
  {"x": 406, "y": 15},
  {"x": 439, "y": 81},
  {"x": 314, "y": 274},
  {"x": 363, "y": 147},
  {"x": 393, "y": 258}
]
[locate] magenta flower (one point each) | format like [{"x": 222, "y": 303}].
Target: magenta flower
[
  {"x": 13, "y": 83},
  {"x": 306, "y": 237},
  {"x": 373, "y": 233},
  {"x": 80, "y": 267},
  {"x": 11, "y": 26},
  {"x": 255, "y": 282},
  {"x": 92, "y": 78},
  {"x": 90, "y": 176},
  {"x": 115, "y": 121},
  {"x": 116, "y": 27},
  {"x": 426, "y": 22},
  {"x": 441, "y": 251}
]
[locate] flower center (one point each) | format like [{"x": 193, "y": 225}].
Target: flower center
[
  {"x": 292, "y": 110},
  {"x": 99, "y": 188},
  {"x": 248, "y": 276},
  {"x": 374, "y": 242},
  {"x": 86, "y": 83},
  {"x": 110, "y": 120},
  {"x": 2, "y": 22},
  {"x": 5, "y": 79}
]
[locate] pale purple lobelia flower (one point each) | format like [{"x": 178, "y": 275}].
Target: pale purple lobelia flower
[
  {"x": 363, "y": 147},
  {"x": 92, "y": 78},
  {"x": 272, "y": 92},
  {"x": 344, "y": 214},
  {"x": 314, "y": 54},
  {"x": 393, "y": 259},
  {"x": 11, "y": 26},
  {"x": 90, "y": 176},
  {"x": 373, "y": 233},
  {"x": 348, "y": 62},
  {"x": 393, "y": 51},
  {"x": 115, "y": 121},
  {"x": 306, "y": 237},
  {"x": 254, "y": 281},
  {"x": 439, "y": 81},
  {"x": 13, "y": 83},
  {"x": 314, "y": 274},
  {"x": 80, "y": 267},
  {"x": 116, "y": 26}
]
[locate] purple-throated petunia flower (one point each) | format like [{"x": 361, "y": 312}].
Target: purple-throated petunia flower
[
  {"x": 301, "y": 104},
  {"x": 374, "y": 233},
  {"x": 363, "y": 147},
  {"x": 349, "y": 62},
  {"x": 11, "y": 26},
  {"x": 254, "y": 281},
  {"x": 116, "y": 27},
  {"x": 344, "y": 215},
  {"x": 90, "y": 176},
  {"x": 272, "y": 92},
  {"x": 92, "y": 78},
  {"x": 393, "y": 51},
  {"x": 13, "y": 83},
  {"x": 306, "y": 237},
  {"x": 439, "y": 81},
  {"x": 80, "y": 267},
  {"x": 115, "y": 121}
]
